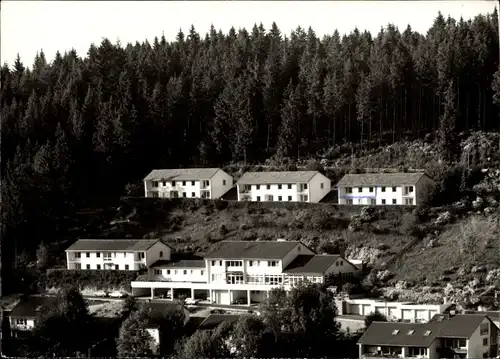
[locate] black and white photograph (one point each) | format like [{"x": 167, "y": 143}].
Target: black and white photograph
[{"x": 250, "y": 179}]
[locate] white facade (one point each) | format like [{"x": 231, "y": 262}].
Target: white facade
[
  {"x": 225, "y": 280},
  {"x": 186, "y": 186},
  {"x": 21, "y": 324},
  {"x": 406, "y": 193},
  {"x": 311, "y": 191},
  {"x": 394, "y": 311},
  {"x": 116, "y": 259}
]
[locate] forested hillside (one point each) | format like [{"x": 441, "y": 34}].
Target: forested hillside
[{"x": 77, "y": 129}]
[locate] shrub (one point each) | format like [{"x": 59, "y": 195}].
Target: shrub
[
  {"x": 220, "y": 205},
  {"x": 87, "y": 278},
  {"x": 409, "y": 224}
]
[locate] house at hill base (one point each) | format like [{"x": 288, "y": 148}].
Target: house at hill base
[
  {"x": 210, "y": 183},
  {"x": 409, "y": 189},
  {"x": 444, "y": 336},
  {"x": 23, "y": 317},
  {"x": 291, "y": 186},
  {"x": 242, "y": 272},
  {"x": 116, "y": 254}
]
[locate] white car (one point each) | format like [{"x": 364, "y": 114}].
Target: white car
[
  {"x": 191, "y": 301},
  {"x": 100, "y": 293},
  {"x": 118, "y": 294}
]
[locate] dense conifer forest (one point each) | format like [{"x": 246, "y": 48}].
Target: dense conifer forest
[{"x": 77, "y": 129}]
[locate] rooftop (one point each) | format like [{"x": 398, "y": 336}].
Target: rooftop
[
  {"x": 214, "y": 320},
  {"x": 399, "y": 334},
  {"x": 251, "y": 249},
  {"x": 317, "y": 264},
  {"x": 27, "y": 306},
  {"x": 187, "y": 174},
  {"x": 380, "y": 179},
  {"x": 277, "y": 177},
  {"x": 183, "y": 263},
  {"x": 115, "y": 245}
]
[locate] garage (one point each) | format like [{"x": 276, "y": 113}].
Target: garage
[
  {"x": 422, "y": 315},
  {"x": 367, "y": 309},
  {"x": 381, "y": 310},
  {"x": 221, "y": 297}
]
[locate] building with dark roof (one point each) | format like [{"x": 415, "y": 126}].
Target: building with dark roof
[
  {"x": 22, "y": 318},
  {"x": 242, "y": 272},
  {"x": 116, "y": 254},
  {"x": 408, "y": 189},
  {"x": 286, "y": 186},
  {"x": 209, "y": 183},
  {"x": 444, "y": 336}
]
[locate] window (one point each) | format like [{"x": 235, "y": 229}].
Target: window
[
  {"x": 272, "y": 263},
  {"x": 184, "y": 272},
  {"x": 289, "y": 198},
  {"x": 395, "y": 332},
  {"x": 383, "y": 189},
  {"x": 220, "y": 263},
  {"x": 258, "y": 186},
  {"x": 250, "y": 263},
  {"x": 164, "y": 183},
  {"x": 202, "y": 272},
  {"x": 234, "y": 263},
  {"x": 289, "y": 186},
  {"x": 22, "y": 321},
  {"x": 394, "y": 201},
  {"x": 485, "y": 341},
  {"x": 192, "y": 183},
  {"x": 258, "y": 198},
  {"x": 124, "y": 255},
  {"x": 175, "y": 271},
  {"x": 280, "y": 198},
  {"x": 360, "y": 189},
  {"x": 161, "y": 254},
  {"x": 383, "y": 201},
  {"x": 213, "y": 263},
  {"x": 322, "y": 185},
  {"x": 348, "y": 190},
  {"x": 88, "y": 266},
  {"x": 411, "y": 331},
  {"x": 304, "y": 186},
  {"x": 98, "y": 255},
  {"x": 370, "y": 189},
  {"x": 88, "y": 255},
  {"x": 157, "y": 271},
  {"x": 270, "y": 198},
  {"x": 409, "y": 201},
  {"x": 168, "y": 271},
  {"x": 268, "y": 186},
  {"x": 279, "y": 186},
  {"x": 117, "y": 267},
  {"x": 415, "y": 352},
  {"x": 142, "y": 255},
  {"x": 78, "y": 255},
  {"x": 394, "y": 189},
  {"x": 349, "y": 201},
  {"x": 184, "y": 194},
  {"x": 126, "y": 266},
  {"x": 373, "y": 201},
  {"x": 98, "y": 266},
  {"x": 173, "y": 183},
  {"x": 305, "y": 198},
  {"x": 183, "y": 183},
  {"x": 360, "y": 201},
  {"x": 485, "y": 329},
  {"x": 193, "y": 194},
  {"x": 107, "y": 255},
  {"x": 155, "y": 184},
  {"x": 223, "y": 182}
]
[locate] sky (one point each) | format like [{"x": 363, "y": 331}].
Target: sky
[{"x": 28, "y": 26}]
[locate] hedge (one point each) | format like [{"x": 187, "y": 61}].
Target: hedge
[{"x": 103, "y": 279}]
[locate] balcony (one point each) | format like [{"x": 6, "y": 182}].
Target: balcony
[
  {"x": 378, "y": 356},
  {"x": 75, "y": 259}
]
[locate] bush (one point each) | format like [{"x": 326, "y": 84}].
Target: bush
[
  {"x": 220, "y": 205},
  {"x": 87, "y": 278}
]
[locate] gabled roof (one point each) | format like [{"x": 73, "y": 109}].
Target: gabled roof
[
  {"x": 214, "y": 320},
  {"x": 380, "y": 179},
  {"x": 182, "y": 174},
  {"x": 183, "y": 263},
  {"x": 113, "y": 245},
  {"x": 440, "y": 326},
  {"x": 251, "y": 249},
  {"x": 27, "y": 306},
  {"x": 317, "y": 264},
  {"x": 381, "y": 333},
  {"x": 277, "y": 177}
]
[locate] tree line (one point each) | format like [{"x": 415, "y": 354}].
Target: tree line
[{"x": 77, "y": 129}]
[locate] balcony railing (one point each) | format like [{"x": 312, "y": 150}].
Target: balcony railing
[{"x": 378, "y": 356}]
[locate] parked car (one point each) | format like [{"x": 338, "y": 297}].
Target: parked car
[
  {"x": 240, "y": 301},
  {"x": 166, "y": 296},
  {"x": 191, "y": 301},
  {"x": 101, "y": 294},
  {"x": 217, "y": 311},
  {"x": 117, "y": 294}
]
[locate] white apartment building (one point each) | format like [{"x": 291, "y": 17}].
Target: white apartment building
[
  {"x": 244, "y": 271},
  {"x": 445, "y": 336},
  {"x": 394, "y": 311},
  {"x": 408, "y": 189},
  {"x": 292, "y": 186},
  {"x": 116, "y": 254},
  {"x": 210, "y": 183}
]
